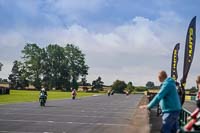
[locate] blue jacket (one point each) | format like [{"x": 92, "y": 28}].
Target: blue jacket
[{"x": 167, "y": 96}]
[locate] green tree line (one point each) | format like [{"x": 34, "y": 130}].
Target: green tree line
[
  {"x": 121, "y": 87},
  {"x": 50, "y": 67}
]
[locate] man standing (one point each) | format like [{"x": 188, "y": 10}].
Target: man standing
[{"x": 169, "y": 103}]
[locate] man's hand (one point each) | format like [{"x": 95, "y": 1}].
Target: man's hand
[
  {"x": 189, "y": 118},
  {"x": 143, "y": 107}
]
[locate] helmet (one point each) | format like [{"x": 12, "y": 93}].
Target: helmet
[{"x": 42, "y": 89}]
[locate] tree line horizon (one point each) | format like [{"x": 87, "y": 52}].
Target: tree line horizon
[
  {"x": 57, "y": 67},
  {"x": 54, "y": 66}
]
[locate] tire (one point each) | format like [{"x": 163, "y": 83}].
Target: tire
[
  {"x": 73, "y": 97},
  {"x": 42, "y": 102}
]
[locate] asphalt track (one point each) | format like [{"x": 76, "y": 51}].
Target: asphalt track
[{"x": 97, "y": 114}]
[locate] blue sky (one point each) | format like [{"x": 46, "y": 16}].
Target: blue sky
[{"x": 123, "y": 39}]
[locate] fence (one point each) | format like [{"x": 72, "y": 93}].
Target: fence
[
  {"x": 183, "y": 117},
  {"x": 183, "y": 120},
  {"x": 4, "y": 90}
]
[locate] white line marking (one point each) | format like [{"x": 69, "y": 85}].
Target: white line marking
[
  {"x": 87, "y": 116},
  {"x": 22, "y": 132},
  {"x": 50, "y": 121},
  {"x": 88, "y": 111},
  {"x": 77, "y": 123}
]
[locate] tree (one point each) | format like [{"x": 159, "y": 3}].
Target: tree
[
  {"x": 140, "y": 88},
  {"x": 5, "y": 81},
  {"x": 193, "y": 90},
  {"x": 64, "y": 66},
  {"x": 97, "y": 84},
  {"x": 83, "y": 81},
  {"x": 119, "y": 86},
  {"x": 53, "y": 67},
  {"x": 33, "y": 64},
  {"x": 130, "y": 87},
  {"x": 56, "y": 68},
  {"x": 77, "y": 65},
  {"x": 17, "y": 78},
  {"x": 150, "y": 85},
  {"x": 1, "y": 65}
]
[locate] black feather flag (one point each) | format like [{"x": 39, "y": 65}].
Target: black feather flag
[
  {"x": 189, "y": 53},
  {"x": 174, "y": 73}
]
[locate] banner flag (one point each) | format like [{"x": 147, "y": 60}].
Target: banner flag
[
  {"x": 189, "y": 53},
  {"x": 174, "y": 73}
]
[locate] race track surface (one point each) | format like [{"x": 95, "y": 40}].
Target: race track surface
[{"x": 97, "y": 114}]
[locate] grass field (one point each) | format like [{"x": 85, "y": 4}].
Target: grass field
[{"x": 17, "y": 96}]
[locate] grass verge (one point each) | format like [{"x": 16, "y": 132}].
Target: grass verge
[{"x": 17, "y": 96}]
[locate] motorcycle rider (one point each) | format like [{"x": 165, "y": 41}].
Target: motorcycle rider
[
  {"x": 109, "y": 91},
  {"x": 43, "y": 92},
  {"x": 74, "y": 93}
]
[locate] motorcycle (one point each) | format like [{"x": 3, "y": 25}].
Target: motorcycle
[
  {"x": 112, "y": 92},
  {"x": 42, "y": 99},
  {"x": 73, "y": 97},
  {"x": 74, "y": 94}
]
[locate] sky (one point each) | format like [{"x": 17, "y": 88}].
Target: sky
[{"x": 129, "y": 40}]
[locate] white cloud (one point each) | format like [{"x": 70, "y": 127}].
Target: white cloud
[{"x": 135, "y": 38}]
